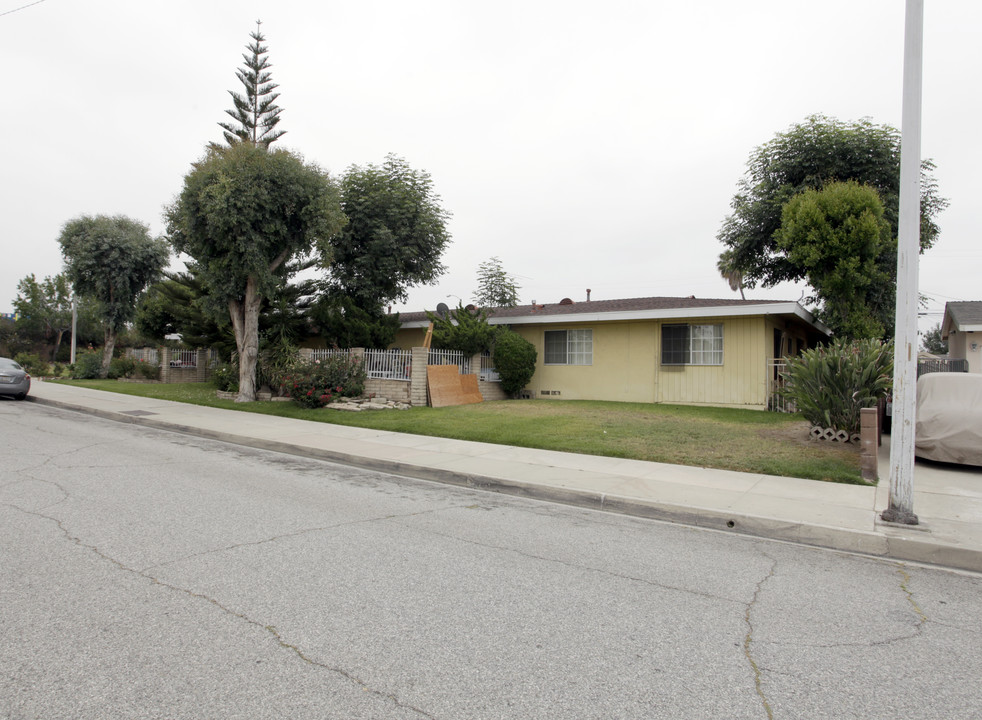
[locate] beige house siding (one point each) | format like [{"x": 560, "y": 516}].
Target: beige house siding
[
  {"x": 622, "y": 363},
  {"x": 627, "y": 366},
  {"x": 739, "y": 381},
  {"x": 960, "y": 348},
  {"x": 408, "y": 338}
]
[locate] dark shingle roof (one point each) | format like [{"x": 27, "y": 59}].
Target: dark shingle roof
[
  {"x": 965, "y": 313},
  {"x": 603, "y": 306}
]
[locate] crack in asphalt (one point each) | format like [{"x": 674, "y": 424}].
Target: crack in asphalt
[
  {"x": 573, "y": 565},
  {"x": 749, "y": 638},
  {"x": 295, "y": 533},
  {"x": 922, "y": 618},
  {"x": 271, "y": 630}
]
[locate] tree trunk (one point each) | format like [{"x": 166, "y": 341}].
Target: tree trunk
[
  {"x": 58, "y": 335},
  {"x": 245, "y": 323},
  {"x": 107, "y": 351}
]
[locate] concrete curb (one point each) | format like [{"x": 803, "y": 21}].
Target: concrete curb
[{"x": 886, "y": 542}]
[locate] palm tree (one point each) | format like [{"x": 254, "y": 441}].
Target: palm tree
[{"x": 730, "y": 272}]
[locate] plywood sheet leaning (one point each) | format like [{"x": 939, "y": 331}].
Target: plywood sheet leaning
[{"x": 448, "y": 387}]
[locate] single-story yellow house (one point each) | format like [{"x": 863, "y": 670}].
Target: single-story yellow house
[
  {"x": 962, "y": 328},
  {"x": 658, "y": 349}
]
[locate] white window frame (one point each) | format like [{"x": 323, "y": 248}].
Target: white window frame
[
  {"x": 705, "y": 344},
  {"x": 578, "y": 347}
]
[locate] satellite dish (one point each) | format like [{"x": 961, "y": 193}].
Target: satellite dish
[{"x": 442, "y": 309}]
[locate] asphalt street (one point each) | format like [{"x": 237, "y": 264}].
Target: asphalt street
[{"x": 148, "y": 574}]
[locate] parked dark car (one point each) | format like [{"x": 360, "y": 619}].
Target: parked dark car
[
  {"x": 14, "y": 379},
  {"x": 948, "y": 424}
]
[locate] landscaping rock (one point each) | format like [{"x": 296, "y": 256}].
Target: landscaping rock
[{"x": 359, "y": 404}]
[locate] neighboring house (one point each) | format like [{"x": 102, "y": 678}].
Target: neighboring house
[
  {"x": 962, "y": 328},
  {"x": 672, "y": 350}
]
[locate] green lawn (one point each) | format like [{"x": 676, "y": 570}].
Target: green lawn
[{"x": 745, "y": 440}]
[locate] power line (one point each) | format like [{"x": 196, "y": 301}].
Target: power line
[{"x": 22, "y": 7}]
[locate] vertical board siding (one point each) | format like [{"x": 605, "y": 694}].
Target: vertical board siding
[{"x": 738, "y": 381}]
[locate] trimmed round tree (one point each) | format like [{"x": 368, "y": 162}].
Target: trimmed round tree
[
  {"x": 111, "y": 260},
  {"x": 514, "y": 361}
]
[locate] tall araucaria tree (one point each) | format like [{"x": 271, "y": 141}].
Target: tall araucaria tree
[
  {"x": 243, "y": 214},
  {"x": 255, "y": 113},
  {"x": 111, "y": 260}
]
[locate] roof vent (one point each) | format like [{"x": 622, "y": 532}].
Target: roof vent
[{"x": 565, "y": 301}]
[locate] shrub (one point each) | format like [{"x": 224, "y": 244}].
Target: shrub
[
  {"x": 514, "y": 360},
  {"x": 121, "y": 367},
  {"x": 226, "y": 378},
  {"x": 276, "y": 361},
  {"x": 463, "y": 329},
  {"x": 832, "y": 383},
  {"x": 88, "y": 365},
  {"x": 32, "y": 362},
  {"x": 315, "y": 384},
  {"x": 148, "y": 371}
]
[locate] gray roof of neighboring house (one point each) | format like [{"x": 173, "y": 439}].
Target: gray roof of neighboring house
[
  {"x": 962, "y": 316},
  {"x": 632, "y": 308}
]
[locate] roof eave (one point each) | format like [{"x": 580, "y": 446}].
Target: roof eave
[{"x": 788, "y": 308}]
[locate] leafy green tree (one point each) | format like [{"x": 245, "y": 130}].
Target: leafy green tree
[
  {"x": 934, "y": 343},
  {"x": 395, "y": 235},
  {"x": 111, "y": 260},
  {"x": 841, "y": 241},
  {"x": 495, "y": 287},
  {"x": 808, "y": 156},
  {"x": 256, "y": 114},
  {"x": 514, "y": 361},
  {"x": 244, "y": 212},
  {"x": 345, "y": 325},
  {"x": 44, "y": 309},
  {"x": 464, "y": 329}
]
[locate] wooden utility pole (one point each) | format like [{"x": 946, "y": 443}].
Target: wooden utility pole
[{"x": 901, "y": 505}]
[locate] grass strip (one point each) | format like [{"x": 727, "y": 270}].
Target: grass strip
[{"x": 723, "y": 438}]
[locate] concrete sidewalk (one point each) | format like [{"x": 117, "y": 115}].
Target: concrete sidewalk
[{"x": 947, "y": 498}]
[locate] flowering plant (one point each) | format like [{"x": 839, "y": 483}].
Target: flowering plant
[{"x": 315, "y": 384}]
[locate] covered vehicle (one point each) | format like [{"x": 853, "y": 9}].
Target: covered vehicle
[
  {"x": 14, "y": 379},
  {"x": 949, "y": 418}
]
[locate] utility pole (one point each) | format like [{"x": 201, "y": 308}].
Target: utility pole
[
  {"x": 901, "y": 505},
  {"x": 74, "y": 322}
]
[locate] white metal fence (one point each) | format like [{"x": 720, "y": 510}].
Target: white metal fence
[
  {"x": 450, "y": 357},
  {"x": 776, "y": 382},
  {"x": 148, "y": 355},
  {"x": 183, "y": 358},
  {"x": 392, "y": 364},
  {"x": 324, "y": 354},
  {"x": 488, "y": 373}
]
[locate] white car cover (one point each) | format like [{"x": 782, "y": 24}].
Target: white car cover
[{"x": 949, "y": 418}]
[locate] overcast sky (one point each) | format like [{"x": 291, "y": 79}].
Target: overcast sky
[{"x": 586, "y": 144}]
